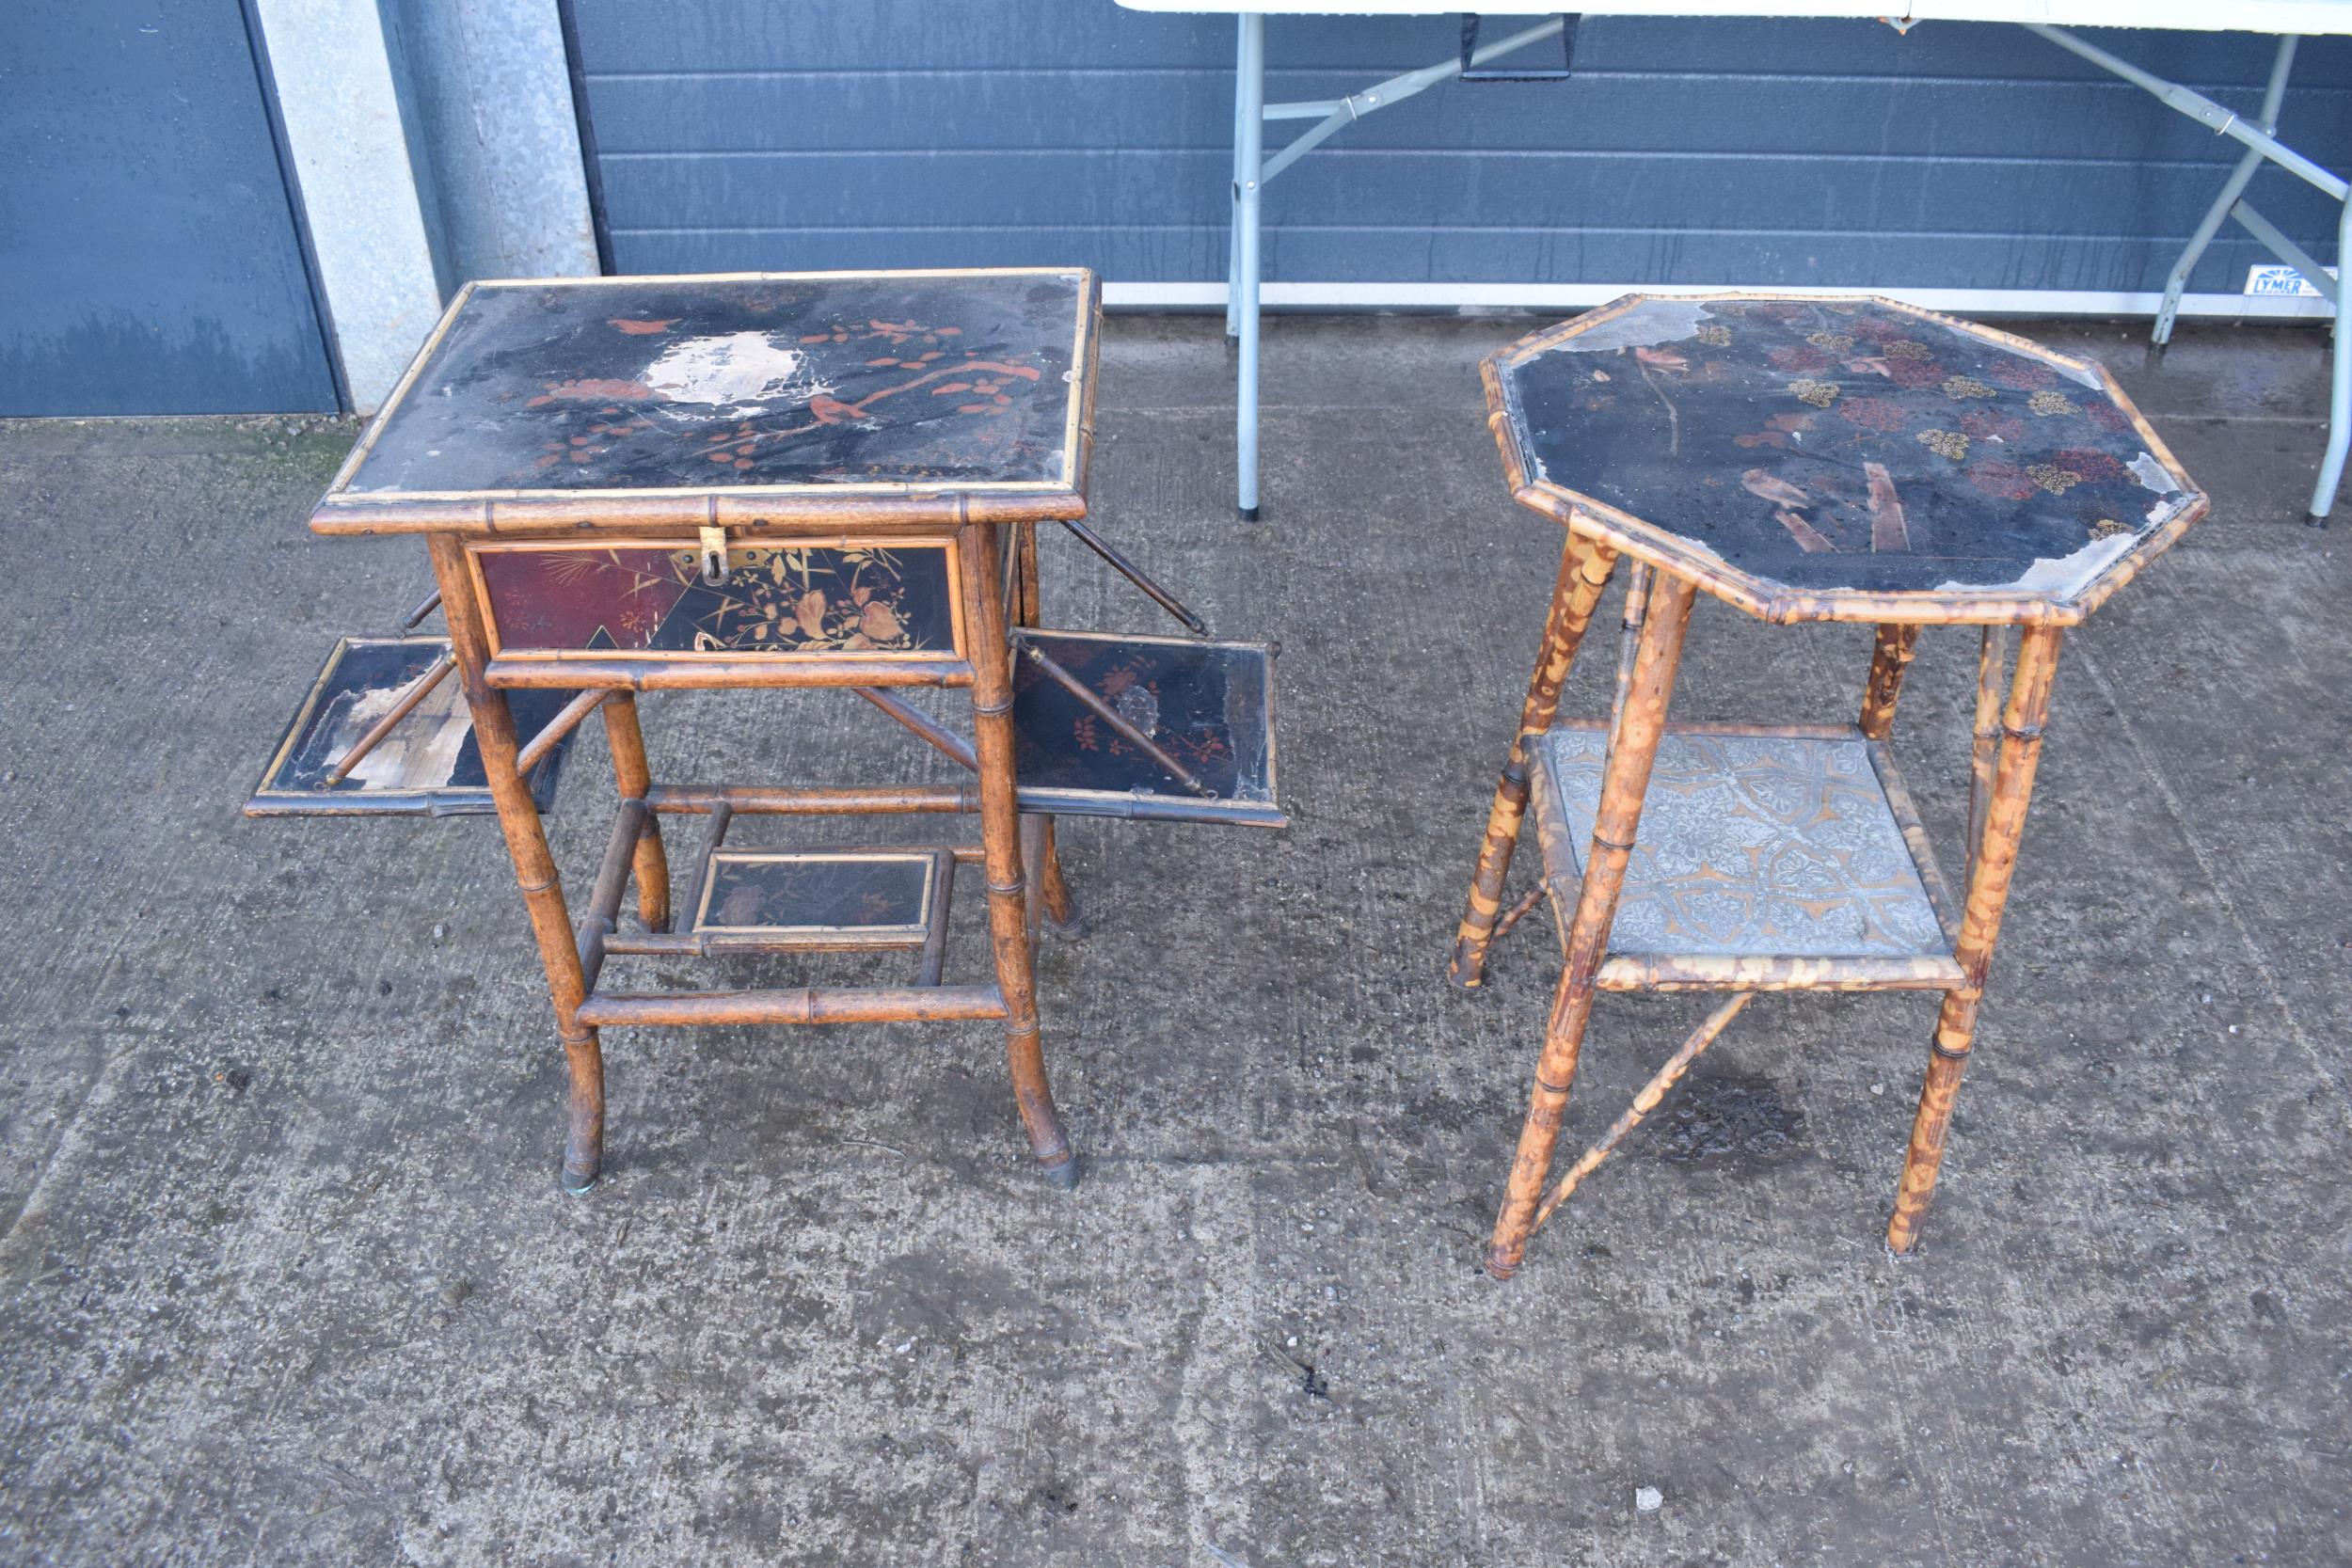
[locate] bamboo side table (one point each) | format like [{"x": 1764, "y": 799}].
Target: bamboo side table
[
  {"x": 755, "y": 482},
  {"x": 1804, "y": 460}
]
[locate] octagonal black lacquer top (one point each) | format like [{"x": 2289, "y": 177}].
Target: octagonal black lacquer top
[
  {"x": 1839, "y": 459},
  {"x": 782, "y": 391}
]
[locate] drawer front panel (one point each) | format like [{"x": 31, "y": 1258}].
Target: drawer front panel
[{"x": 867, "y": 599}]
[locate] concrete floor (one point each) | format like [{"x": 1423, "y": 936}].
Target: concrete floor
[{"x": 286, "y": 1277}]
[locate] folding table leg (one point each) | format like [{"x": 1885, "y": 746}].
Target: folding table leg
[
  {"x": 1638, "y": 720},
  {"x": 1232, "y": 246},
  {"x": 2232, "y": 188},
  {"x": 2340, "y": 383},
  {"x": 1584, "y": 571},
  {"x": 534, "y": 867},
  {"x": 1248, "y": 158},
  {"x": 1994, "y": 860}
]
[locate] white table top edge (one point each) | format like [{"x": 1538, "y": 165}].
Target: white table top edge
[{"x": 2312, "y": 17}]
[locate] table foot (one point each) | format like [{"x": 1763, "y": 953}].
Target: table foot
[
  {"x": 1248, "y": 514},
  {"x": 1498, "y": 1266},
  {"x": 578, "y": 1183},
  {"x": 1065, "y": 1175}
]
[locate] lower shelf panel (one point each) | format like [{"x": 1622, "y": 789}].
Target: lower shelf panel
[{"x": 1769, "y": 858}]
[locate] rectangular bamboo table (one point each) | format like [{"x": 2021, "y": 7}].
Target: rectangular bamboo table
[
  {"x": 759, "y": 481},
  {"x": 1803, "y": 459}
]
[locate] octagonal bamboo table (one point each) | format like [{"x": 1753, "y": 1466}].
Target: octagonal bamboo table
[{"x": 1805, "y": 459}]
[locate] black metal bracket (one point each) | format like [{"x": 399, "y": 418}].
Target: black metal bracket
[{"x": 1520, "y": 73}]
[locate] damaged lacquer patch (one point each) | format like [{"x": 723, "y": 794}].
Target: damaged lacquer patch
[
  {"x": 2061, "y": 576},
  {"x": 738, "y": 373},
  {"x": 2154, "y": 475},
  {"x": 1645, "y": 326}
]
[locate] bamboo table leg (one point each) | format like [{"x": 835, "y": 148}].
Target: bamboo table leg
[
  {"x": 631, "y": 773},
  {"x": 1000, "y": 839},
  {"x": 1665, "y": 613},
  {"x": 1890, "y": 659},
  {"x": 1992, "y": 864},
  {"x": 1061, "y": 908},
  {"x": 1584, "y": 571},
  {"x": 534, "y": 867}
]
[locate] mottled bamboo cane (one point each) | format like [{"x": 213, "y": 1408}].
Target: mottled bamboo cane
[
  {"x": 946, "y": 741},
  {"x": 1980, "y": 925},
  {"x": 1992, "y": 665},
  {"x": 1641, "y": 718},
  {"x": 534, "y": 867},
  {"x": 1000, "y": 838},
  {"x": 555, "y": 729},
  {"x": 1519, "y": 911},
  {"x": 1645, "y": 1103},
  {"x": 1889, "y": 659},
  {"x": 1584, "y": 569},
  {"x": 1061, "y": 905},
  {"x": 635, "y": 778}
]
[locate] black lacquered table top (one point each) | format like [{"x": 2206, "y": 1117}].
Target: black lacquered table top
[
  {"x": 1814, "y": 448},
  {"x": 837, "y": 382}
]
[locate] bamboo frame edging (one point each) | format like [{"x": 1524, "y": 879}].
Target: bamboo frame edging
[{"x": 803, "y": 1004}]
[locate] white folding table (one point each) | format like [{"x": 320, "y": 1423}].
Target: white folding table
[{"x": 2288, "y": 19}]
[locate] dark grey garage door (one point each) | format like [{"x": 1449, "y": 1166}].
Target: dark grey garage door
[
  {"x": 742, "y": 134},
  {"x": 149, "y": 261}
]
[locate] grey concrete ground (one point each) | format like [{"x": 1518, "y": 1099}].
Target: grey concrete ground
[{"x": 286, "y": 1278}]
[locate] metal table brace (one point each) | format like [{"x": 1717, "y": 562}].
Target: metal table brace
[
  {"x": 2261, "y": 146},
  {"x": 1252, "y": 169},
  {"x": 1250, "y": 113}
]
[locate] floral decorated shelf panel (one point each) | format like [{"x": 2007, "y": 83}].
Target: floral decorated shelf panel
[
  {"x": 1753, "y": 846},
  {"x": 649, "y": 597},
  {"x": 1209, "y": 706},
  {"x": 1827, "y": 444},
  {"x": 881, "y": 899},
  {"x": 947, "y": 379}
]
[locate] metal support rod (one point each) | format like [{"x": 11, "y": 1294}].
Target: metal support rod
[
  {"x": 566, "y": 721},
  {"x": 1380, "y": 95},
  {"x": 402, "y": 707},
  {"x": 923, "y": 725},
  {"x": 2226, "y": 122},
  {"x": 2288, "y": 251},
  {"x": 2274, "y": 98},
  {"x": 1115, "y": 719},
  {"x": 2339, "y": 396},
  {"x": 430, "y": 603},
  {"x": 1134, "y": 573},
  {"x": 1249, "y": 157},
  {"x": 1233, "y": 239}
]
